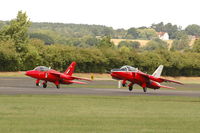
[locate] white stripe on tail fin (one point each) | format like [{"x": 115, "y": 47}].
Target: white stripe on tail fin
[
  {"x": 158, "y": 71},
  {"x": 70, "y": 69}
]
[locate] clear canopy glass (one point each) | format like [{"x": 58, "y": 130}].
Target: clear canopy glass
[
  {"x": 128, "y": 68},
  {"x": 42, "y": 68}
]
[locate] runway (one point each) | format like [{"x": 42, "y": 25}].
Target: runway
[{"x": 25, "y": 85}]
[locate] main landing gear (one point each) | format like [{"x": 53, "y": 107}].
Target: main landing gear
[
  {"x": 44, "y": 84},
  {"x": 145, "y": 89},
  {"x": 58, "y": 86},
  {"x": 144, "y": 86},
  {"x": 130, "y": 86},
  {"x": 124, "y": 85},
  {"x": 57, "y": 83}
]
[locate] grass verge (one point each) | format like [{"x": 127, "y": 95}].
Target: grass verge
[{"x": 97, "y": 114}]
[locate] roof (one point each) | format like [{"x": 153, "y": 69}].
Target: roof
[{"x": 161, "y": 33}]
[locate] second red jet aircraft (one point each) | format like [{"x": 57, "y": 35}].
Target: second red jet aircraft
[{"x": 135, "y": 76}]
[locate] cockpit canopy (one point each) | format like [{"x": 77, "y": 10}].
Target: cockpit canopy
[
  {"x": 128, "y": 68},
  {"x": 42, "y": 68}
]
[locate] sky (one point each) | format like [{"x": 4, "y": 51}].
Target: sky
[{"x": 114, "y": 13}]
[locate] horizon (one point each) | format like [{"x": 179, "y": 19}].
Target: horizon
[{"x": 103, "y": 25}]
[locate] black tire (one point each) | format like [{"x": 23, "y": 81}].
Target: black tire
[
  {"x": 145, "y": 89},
  {"x": 44, "y": 85},
  {"x": 37, "y": 84},
  {"x": 130, "y": 88},
  {"x": 58, "y": 86},
  {"x": 124, "y": 85}
]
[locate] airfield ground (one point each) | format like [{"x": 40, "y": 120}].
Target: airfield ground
[{"x": 97, "y": 107}]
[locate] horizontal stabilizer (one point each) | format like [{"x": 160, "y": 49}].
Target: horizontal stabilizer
[{"x": 162, "y": 86}]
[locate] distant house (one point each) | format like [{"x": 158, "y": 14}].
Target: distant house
[{"x": 163, "y": 35}]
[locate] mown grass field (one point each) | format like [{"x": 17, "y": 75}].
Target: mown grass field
[
  {"x": 98, "y": 114},
  {"x": 142, "y": 42}
]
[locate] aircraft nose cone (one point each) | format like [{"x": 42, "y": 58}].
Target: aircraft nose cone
[
  {"x": 112, "y": 72},
  {"x": 27, "y": 73},
  {"x": 30, "y": 73}
]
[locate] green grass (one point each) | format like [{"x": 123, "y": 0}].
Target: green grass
[{"x": 98, "y": 114}]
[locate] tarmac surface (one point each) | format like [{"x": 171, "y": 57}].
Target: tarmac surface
[{"x": 26, "y": 85}]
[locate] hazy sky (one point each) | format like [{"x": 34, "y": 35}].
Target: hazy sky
[{"x": 115, "y": 13}]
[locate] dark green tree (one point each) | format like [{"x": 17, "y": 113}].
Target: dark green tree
[
  {"x": 169, "y": 28},
  {"x": 158, "y": 27},
  {"x": 181, "y": 42},
  {"x": 156, "y": 44},
  {"x": 193, "y": 29},
  {"x": 147, "y": 34},
  {"x": 17, "y": 30},
  {"x": 132, "y": 33},
  {"x": 105, "y": 43}
]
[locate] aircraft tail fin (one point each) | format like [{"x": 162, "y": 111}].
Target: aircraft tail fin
[
  {"x": 70, "y": 69},
  {"x": 158, "y": 71}
]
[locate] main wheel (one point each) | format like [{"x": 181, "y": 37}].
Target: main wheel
[
  {"x": 130, "y": 88},
  {"x": 44, "y": 85},
  {"x": 58, "y": 86},
  {"x": 145, "y": 89},
  {"x": 124, "y": 85}
]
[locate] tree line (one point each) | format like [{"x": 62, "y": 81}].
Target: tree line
[{"x": 20, "y": 52}]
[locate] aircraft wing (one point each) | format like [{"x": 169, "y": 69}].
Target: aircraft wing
[
  {"x": 80, "y": 78},
  {"x": 55, "y": 73},
  {"x": 167, "y": 80},
  {"x": 76, "y": 82},
  {"x": 160, "y": 80}
]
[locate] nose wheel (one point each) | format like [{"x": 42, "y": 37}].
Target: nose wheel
[
  {"x": 37, "y": 82},
  {"x": 130, "y": 88}
]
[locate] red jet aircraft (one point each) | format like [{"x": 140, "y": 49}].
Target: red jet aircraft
[
  {"x": 46, "y": 74},
  {"x": 135, "y": 76}
]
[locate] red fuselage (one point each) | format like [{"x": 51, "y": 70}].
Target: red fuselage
[
  {"x": 48, "y": 76},
  {"x": 135, "y": 78}
]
